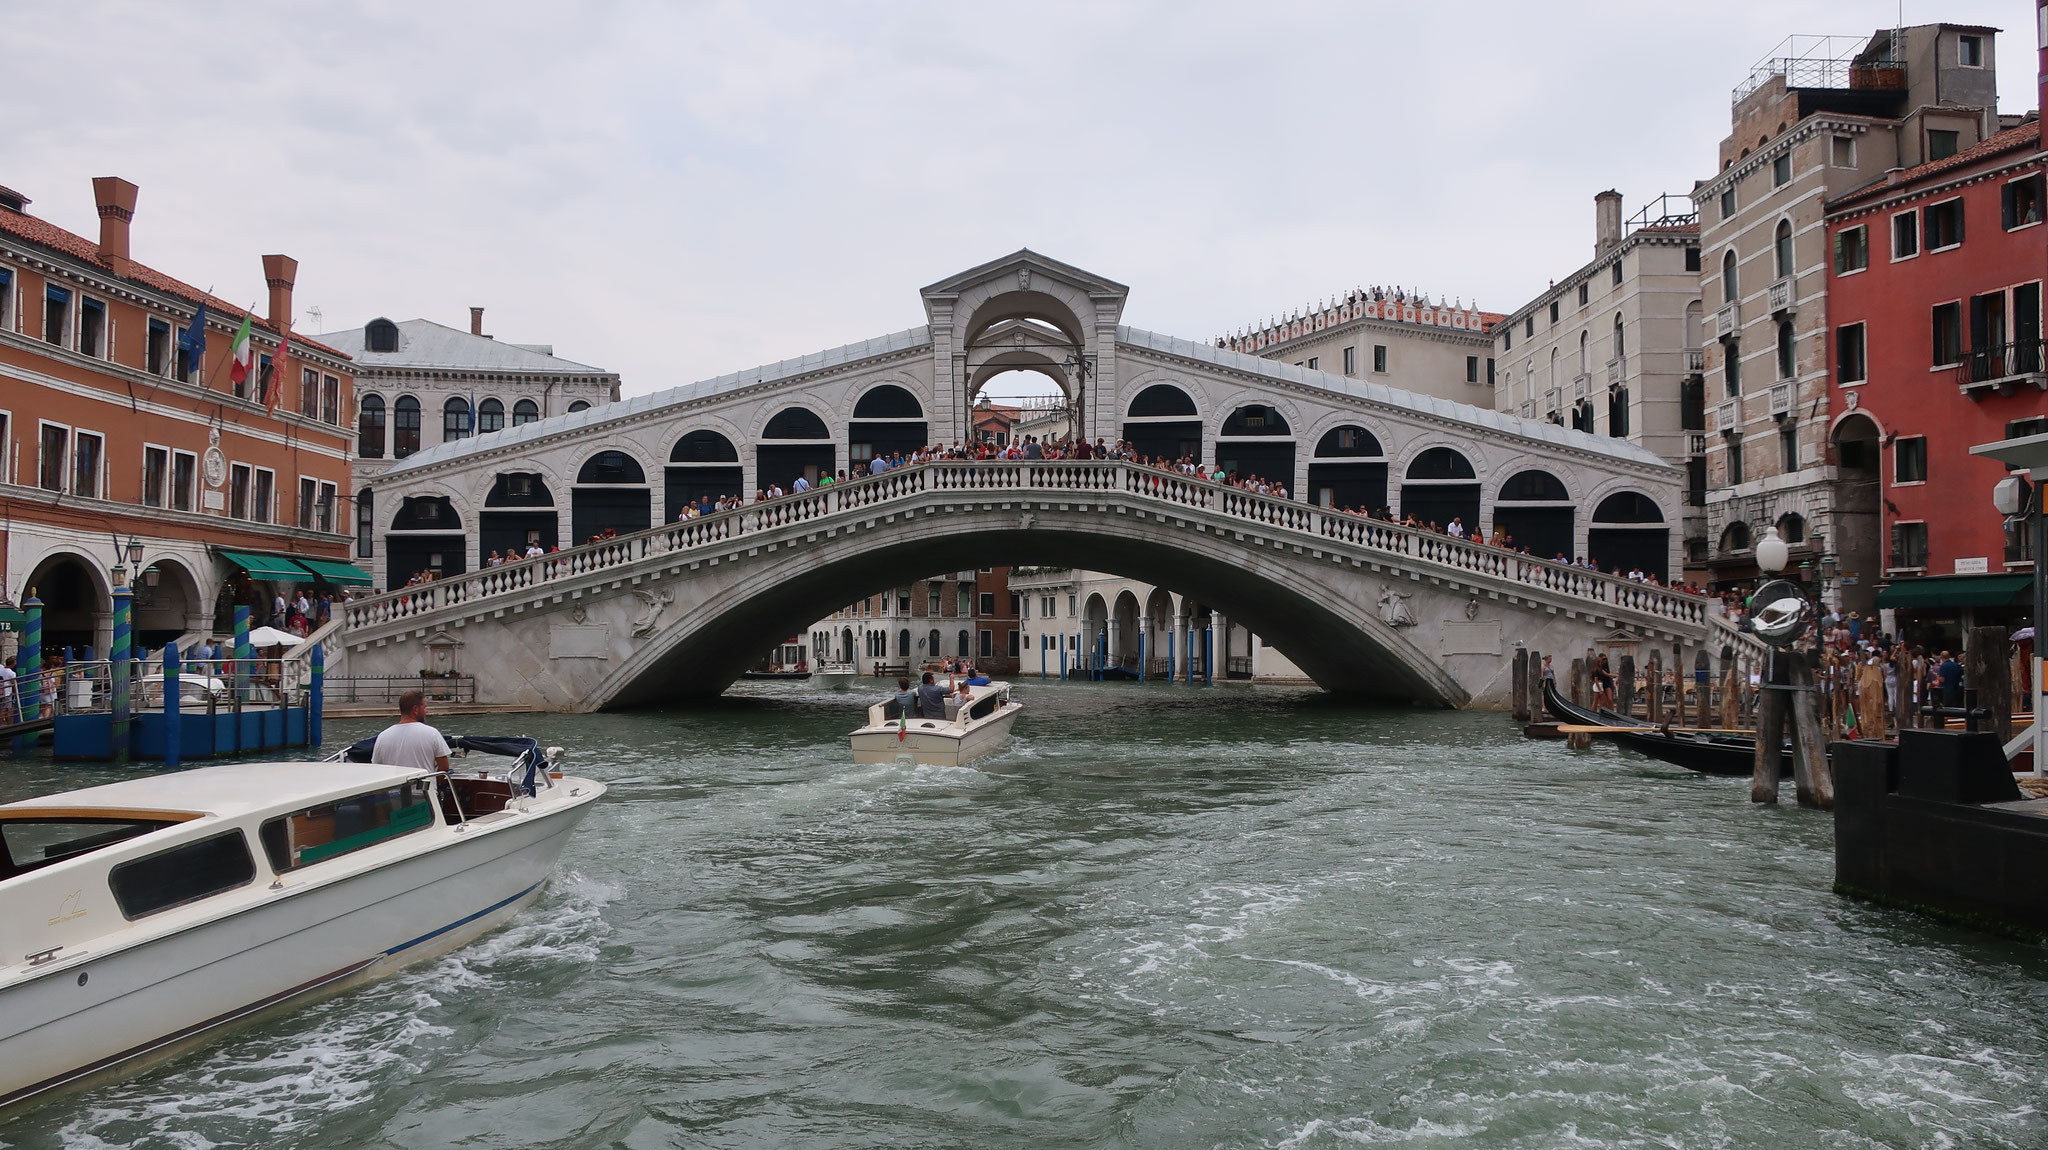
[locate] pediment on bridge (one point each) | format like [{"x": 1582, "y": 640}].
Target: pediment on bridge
[{"x": 1023, "y": 271}]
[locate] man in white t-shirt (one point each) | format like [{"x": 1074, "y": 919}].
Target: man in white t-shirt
[
  {"x": 7, "y": 707},
  {"x": 410, "y": 742}
]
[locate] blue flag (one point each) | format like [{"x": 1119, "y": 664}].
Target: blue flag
[{"x": 192, "y": 341}]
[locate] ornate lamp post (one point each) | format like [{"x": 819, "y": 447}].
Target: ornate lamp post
[{"x": 1783, "y": 614}]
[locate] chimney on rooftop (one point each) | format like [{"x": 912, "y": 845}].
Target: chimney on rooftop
[
  {"x": 476, "y": 321},
  {"x": 1606, "y": 222},
  {"x": 116, "y": 199},
  {"x": 280, "y": 272}
]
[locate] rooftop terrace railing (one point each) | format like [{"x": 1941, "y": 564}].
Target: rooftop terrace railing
[{"x": 1036, "y": 480}]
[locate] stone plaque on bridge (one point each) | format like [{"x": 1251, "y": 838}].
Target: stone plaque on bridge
[
  {"x": 580, "y": 641},
  {"x": 1477, "y": 638}
]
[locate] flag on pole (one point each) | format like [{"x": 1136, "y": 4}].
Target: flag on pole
[
  {"x": 242, "y": 354},
  {"x": 192, "y": 341}
]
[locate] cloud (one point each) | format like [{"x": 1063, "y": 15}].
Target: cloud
[{"x": 678, "y": 190}]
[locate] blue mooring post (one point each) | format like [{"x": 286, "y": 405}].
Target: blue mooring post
[
  {"x": 117, "y": 670},
  {"x": 1101, "y": 653},
  {"x": 29, "y": 686},
  {"x": 174, "y": 725},
  {"x": 1209, "y": 654},
  {"x": 316, "y": 699},
  {"x": 1141, "y": 654},
  {"x": 1063, "y": 658},
  {"x": 242, "y": 656},
  {"x": 1041, "y": 658}
]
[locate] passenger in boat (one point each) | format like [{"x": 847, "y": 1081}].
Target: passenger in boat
[
  {"x": 410, "y": 742},
  {"x": 975, "y": 677},
  {"x": 931, "y": 699},
  {"x": 906, "y": 699}
]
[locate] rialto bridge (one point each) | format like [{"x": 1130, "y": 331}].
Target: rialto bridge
[{"x": 680, "y": 608}]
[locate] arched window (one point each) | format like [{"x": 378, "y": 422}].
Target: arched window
[
  {"x": 524, "y": 412},
  {"x": 964, "y": 644},
  {"x": 611, "y": 467},
  {"x": 1735, "y": 537},
  {"x": 703, "y": 447},
  {"x": 405, "y": 427},
  {"x": 1255, "y": 419},
  {"x": 1161, "y": 399},
  {"x": 1617, "y": 412},
  {"x": 1629, "y": 507},
  {"x": 490, "y": 416},
  {"x": 1620, "y": 339},
  {"x": 795, "y": 423},
  {"x": 886, "y": 401},
  {"x": 1585, "y": 358},
  {"x": 579, "y": 405},
  {"x": 903, "y": 643},
  {"x": 454, "y": 419},
  {"x": 1349, "y": 440},
  {"x": 370, "y": 427},
  {"x": 1533, "y": 487},
  {"x": 1792, "y": 527},
  {"x": 1729, "y": 294},
  {"x": 1441, "y": 463},
  {"x": 932, "y": 642},
  {"x": 380, "y": 335},
  {"x": 1785, "y": 349},
  {"x": 1783, "y": 248}
]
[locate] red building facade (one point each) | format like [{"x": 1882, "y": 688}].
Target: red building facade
[{"x": 1935, "y": 283}]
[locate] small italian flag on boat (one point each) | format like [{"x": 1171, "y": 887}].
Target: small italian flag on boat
[
  {"x": 243, "y": 354},
  {"x": 902, "y": 728}
]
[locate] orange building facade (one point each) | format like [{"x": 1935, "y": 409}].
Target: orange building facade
[{"x": 120, "y": 449}]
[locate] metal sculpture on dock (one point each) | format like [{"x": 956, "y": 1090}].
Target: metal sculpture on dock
[{"x": 1783, "y": 615}]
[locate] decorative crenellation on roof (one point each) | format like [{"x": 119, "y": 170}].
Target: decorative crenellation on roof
[{"x": 1388, "y": 305}]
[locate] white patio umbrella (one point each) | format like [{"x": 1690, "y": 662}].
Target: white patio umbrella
[{"x": 272, "y": 637}]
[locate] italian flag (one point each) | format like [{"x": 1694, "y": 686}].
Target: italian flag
[{"x": 243, "y": 354}]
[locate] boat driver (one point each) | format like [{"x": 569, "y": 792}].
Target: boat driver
[
  {"x": 931, "y": 699},
  {"x": 410, "y": 742}
]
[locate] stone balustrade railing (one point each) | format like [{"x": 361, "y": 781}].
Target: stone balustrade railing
[{"x": 1025, "y": 479}]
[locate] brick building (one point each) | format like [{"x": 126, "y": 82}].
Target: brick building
[
  {"x": 964, "y": 614},
  {"x": 1817, "y": 119},
  {"x": 118, "y": 445},
  {"x": 1935, "y": 299}
]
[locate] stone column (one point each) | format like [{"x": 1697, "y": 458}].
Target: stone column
[{"x": 1219, "y": 626}]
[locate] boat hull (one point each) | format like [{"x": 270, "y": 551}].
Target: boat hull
[
  {"x": 835, "y": 680},
  {"x": 1731, "y": 756},
  {"x": 99, "y": 1014},
  {"x": 942, "y": 746}
]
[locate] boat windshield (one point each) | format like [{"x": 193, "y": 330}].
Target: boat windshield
[{"x": 37, "y": 841}]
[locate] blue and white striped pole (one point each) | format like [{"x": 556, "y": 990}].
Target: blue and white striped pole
[{"x": 118, "y": 668}]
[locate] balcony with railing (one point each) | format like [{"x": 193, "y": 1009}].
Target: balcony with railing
[
  {"x": 1781, "y": 398},
  {"x": 1728, "y": 320},
  {"x": 1782, "y": 295},
  {"x": 1695, "y": 360},
  {"x": 2001, "y": 368},
  {"x": 1827, "y": 62}
]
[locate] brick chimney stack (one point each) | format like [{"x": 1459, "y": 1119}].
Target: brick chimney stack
[
  {"x": 476, "y": 314},
  {"x": 280, "y": 272},
  {"x": 116, "y": 199},
  {"x": 1606, "y": 222}
]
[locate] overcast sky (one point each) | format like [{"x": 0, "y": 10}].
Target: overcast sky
[{"x": 676, "y": 190}]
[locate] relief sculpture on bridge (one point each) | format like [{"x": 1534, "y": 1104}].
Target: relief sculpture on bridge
[
  {"x": 648, "y": 617},
  {"x": 1394, "y": 611}
]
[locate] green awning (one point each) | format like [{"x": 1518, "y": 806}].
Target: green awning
[
  {"x": 1959, "y": 591},
  {"x": 267, "y": 566},
  {"x": 336, "y": 572}
]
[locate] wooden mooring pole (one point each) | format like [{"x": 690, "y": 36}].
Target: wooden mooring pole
[{"x": 1521, "y": 685}]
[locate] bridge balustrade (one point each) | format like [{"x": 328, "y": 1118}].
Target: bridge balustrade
[{"x": 1011, "y": 479}]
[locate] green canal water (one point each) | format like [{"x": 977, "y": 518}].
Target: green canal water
[{"x": 1165, "y": 917}]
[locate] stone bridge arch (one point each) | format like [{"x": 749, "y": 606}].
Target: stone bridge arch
[{"x": 1338, "y": 632}]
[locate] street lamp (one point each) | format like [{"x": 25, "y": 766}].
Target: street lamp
[{"x": 1772, "y": 553}]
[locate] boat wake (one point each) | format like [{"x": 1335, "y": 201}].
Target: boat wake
[{"x": 282, "y": 1080}]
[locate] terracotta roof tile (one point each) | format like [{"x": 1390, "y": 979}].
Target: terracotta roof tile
[
  {"x": 72, "y": 244},
  {"x": 2025, "y": 136}
]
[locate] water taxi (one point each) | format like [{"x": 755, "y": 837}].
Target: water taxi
[
  {"x": 138, "y": 917},
  {"x": 835, "y": 676},
  {"x": 976, "y": 724}
]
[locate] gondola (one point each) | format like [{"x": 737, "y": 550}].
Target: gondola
[
  {"x": 775, "y": 674},
  {"x": 1710, "y": 754}
]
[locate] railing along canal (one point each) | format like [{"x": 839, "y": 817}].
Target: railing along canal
[{"x": 1026, "y": 479}]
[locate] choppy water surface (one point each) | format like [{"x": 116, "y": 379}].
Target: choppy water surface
[{"x": 1166, "y": 917}]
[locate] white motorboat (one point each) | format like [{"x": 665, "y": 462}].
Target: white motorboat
[
  {"x": 975, "y": 726},
  {"x": 835, "y": 676},
  {"x": 139, "y": 916}
]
